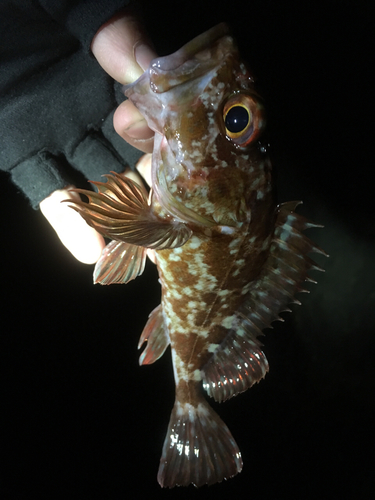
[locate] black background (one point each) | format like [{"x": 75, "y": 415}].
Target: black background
[{"x": 81, "y": 419}]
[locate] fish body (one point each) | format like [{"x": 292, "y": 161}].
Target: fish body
[{"x": 229, "y": 258}]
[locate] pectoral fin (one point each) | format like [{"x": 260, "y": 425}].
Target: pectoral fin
[
  {"x": 238, "y": 361},
  {"x": 119, "y": 210}
]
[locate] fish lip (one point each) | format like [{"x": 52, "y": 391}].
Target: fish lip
[
  {"x": 191, "y": 48},
  {"x": 196, "y": 58}
]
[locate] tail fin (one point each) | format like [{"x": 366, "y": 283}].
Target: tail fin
[{"x": 198, "y": 449}]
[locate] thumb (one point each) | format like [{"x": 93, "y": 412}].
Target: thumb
[
  {"x": 79, "y": 238},
  {"x": 124, "y": 51},
  {"x": 122, "y": 48}
]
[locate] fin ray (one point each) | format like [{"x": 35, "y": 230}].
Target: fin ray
[
  {"x": 198, "y": 449},
  {"x": 119, "y": 263},
  {"x": 239, "y": 362},
  {"x": 120, "y": 211},
  {"x": 156, "y": 336}
]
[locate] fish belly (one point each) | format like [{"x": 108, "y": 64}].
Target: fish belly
[
  {"x": 202, "y": 286},
  {"x": 198, "y": 448}
]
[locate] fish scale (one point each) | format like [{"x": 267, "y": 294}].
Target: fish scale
[
  {"x": 229, "y": 258},
  {"x": 201, "y": 278}
]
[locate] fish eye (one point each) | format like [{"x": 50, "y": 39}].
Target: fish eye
[
  {"x": 237, "y": 119},
  {"x": 243, "y": 119}
]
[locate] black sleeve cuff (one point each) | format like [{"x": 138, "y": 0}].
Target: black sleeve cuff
[{"x": 84, "y": 18}]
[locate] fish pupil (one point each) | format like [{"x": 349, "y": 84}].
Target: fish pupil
[{"x": 236, "y": 119}]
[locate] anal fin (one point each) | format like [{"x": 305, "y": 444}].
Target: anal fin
[
  {"x": 156, "y": 336},
  {"x": 198, "y": 449}
]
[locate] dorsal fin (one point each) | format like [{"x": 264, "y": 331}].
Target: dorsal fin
[{"x": 239, "y": 362}]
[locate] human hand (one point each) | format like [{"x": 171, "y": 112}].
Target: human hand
[{"x": 122, "y": 49}]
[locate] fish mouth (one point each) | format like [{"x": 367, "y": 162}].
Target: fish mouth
[
  {"x": 194, "y": 59},
  {"x": 199, "y": 48}
]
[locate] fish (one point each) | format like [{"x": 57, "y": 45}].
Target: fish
[{"x": 230, "y": 258}]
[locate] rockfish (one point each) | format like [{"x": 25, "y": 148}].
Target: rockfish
[{"x": 229, "y": 258}]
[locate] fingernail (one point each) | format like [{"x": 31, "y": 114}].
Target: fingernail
[
  {"x": 143, "y": 55},
  {"x": 139, "y": 130}
]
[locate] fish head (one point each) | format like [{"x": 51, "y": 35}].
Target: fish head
[{"x": 208, "y": 118}]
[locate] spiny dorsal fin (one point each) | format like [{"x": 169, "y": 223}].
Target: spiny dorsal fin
[
  {"x": 239, "y": 362},
  {"x": 120, "y": 211}
]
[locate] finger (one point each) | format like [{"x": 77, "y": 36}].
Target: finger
[
  {"x": 122, "y": 48},
  {"x": 151, "y": 255},
  {"x": 134, "y": 176},
  {"x": 144, "y": 167},
  {"x": 131, "y": 126},
  {"x": 82, "y": 241}
]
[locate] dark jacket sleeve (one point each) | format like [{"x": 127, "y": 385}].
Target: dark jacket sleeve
[{"x": 56, "y": 102}]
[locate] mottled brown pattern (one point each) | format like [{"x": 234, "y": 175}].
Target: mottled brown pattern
[
  {"x": 188, "y": 392},
  {"x": 200, "y": 291},
  {"x": 194, "y": 123},
  {"x": 229, "y": 260}
]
